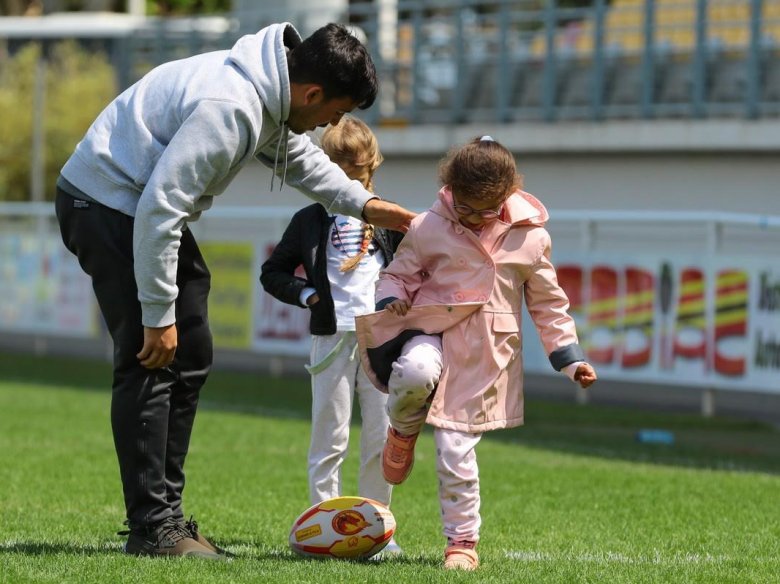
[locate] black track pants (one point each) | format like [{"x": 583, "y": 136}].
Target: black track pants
[{"x": 152, "y": 411}]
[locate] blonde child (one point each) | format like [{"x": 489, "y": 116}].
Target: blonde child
[
  {"x": 341, "y": 257},
  {"x": 447, "y": 347}
]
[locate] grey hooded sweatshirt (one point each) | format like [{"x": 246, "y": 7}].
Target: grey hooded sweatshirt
[{"x": 170, "y": 143}]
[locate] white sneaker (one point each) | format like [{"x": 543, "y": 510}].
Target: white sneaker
[{"x": 391, "y": 549}]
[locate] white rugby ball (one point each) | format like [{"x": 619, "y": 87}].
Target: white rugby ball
[{"x": 344, "y": 527}]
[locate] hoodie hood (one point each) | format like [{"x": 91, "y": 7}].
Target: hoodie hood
[
  {"x": 263, "y": 59},
  {"x": 520, "y": 208}
]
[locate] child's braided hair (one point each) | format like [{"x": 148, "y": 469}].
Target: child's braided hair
[{"x": 352, "y": 145}]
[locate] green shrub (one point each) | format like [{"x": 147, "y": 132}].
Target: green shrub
[{"x": 79, "y": 84}]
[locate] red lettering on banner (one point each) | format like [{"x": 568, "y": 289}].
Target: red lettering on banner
[
  {"x": 690, "y": 340},
  {"x": 602, "y": 315},
  {"x": 638, "y": 318},
  {"x": 570, "y": 279},
  {"x": 731, "y": 312}
]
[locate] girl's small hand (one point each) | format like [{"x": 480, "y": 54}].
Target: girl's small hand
[
  {"x": 399, "y": 307},
  {"x": 585, "y": 375}
]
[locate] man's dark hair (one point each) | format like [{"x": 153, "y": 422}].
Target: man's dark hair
[{"x": 335, "y": 59}]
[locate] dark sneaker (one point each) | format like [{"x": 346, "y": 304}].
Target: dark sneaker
[
  {"x": 192, "y": 527},
  {"x": 167, "y": 538}
]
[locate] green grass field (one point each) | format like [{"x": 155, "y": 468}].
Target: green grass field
[{"x": 571, "y": 497}]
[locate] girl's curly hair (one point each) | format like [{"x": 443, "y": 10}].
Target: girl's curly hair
[{"x": 481, "y": 170}]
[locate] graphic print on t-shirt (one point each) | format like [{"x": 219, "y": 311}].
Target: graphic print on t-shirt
[{"x": 347, "y": 236}]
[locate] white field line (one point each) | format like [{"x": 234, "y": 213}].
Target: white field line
[{"x": 655, "y": 558}]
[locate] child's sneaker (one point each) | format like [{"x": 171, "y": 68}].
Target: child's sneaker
[
  {"x": 461, "y": 555},
  {"x": 398, "y": 456},
  {"x": 392, "y": 549}
]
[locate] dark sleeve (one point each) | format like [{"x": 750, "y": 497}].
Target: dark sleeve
[
  {"x": 277, "y": 274},
  {"x": 395, "y": 238},
  {"x": 390, "y": 240}
]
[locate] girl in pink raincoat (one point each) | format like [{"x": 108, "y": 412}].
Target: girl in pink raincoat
[{"x": 447, "y": 346}]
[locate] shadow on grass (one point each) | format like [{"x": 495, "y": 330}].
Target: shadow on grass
[
  {"x": 242, "y": 551},
  {"x": 595, "y": 430},
  {"x": 36, "y": 548}
]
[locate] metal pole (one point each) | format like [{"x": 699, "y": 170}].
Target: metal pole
[
  {"x": 754, "y": 61},
  {"x": 648, "y": 61},
  {"x": 700, "y": 60},
  {"x": 136, "y": 7},
  {"x": 38, "y": 172},
  {"x": 505, "y": 69},
  {"x": 460, "y": 65},
  {"x": 597, "y": 85},
  {"x": 38, "y": 159},
  {"x": 549, "y": 82}
]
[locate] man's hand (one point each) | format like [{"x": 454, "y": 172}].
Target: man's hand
[
  {"x": 159, "y": 346},
  {"x": 386, "y": 214},
  {"x": 399, "y": 307},
  {"x": 313, "y": 299},
  {"x": 585, "y": 375}
]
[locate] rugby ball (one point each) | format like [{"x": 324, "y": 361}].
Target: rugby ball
[{"x": 344, "y": 527}]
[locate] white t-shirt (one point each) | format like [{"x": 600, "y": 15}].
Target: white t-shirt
[{"x": 352, "y": 291}]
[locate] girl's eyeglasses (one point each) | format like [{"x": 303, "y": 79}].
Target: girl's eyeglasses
[{"x": 465, "y": 210}]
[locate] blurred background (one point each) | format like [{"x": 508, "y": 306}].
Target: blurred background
[{"x": 649, "y": 128}]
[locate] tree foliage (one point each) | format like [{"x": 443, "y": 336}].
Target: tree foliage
[
  {"x": 187, "y": 7},
  {"x": 78, "y": 85}
]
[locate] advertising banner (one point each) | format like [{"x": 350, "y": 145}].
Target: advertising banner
[
  {"x": 278, "y": 328},
  {"x": 43, "y": 288},
  {"x": 684, "y": 320},
  {"x": 232, "y": 292}
]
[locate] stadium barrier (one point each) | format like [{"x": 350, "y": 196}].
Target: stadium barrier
[
  {"x": 690, "y": 299},
  {"x": 477, "y": 61}
]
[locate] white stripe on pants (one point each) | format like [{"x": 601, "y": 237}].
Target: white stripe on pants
[
  {"x": 332, "y": 399},
  {"x": 411, "y": 383}
]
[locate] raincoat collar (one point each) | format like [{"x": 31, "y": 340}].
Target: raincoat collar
[{"x": 520, "y": 208}]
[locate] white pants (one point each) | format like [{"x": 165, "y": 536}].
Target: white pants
[
  {"x": 413, "y": 379},
  {"x": 332, "y": 393}
]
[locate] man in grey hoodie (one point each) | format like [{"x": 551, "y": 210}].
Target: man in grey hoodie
[{"x": 152, "y": 162}]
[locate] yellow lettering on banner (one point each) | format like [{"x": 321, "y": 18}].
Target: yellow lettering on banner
[{"x": 230, "y": 299}]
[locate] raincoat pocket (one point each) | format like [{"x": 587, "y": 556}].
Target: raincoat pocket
[{"x": 506, "y": 322}]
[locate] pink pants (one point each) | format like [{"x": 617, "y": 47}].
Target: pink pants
[{"x": 411, "y": 383}]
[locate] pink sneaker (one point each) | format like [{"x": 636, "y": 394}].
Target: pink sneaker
[
  {"x": 398, "y": 456},
  {"x": 461, "y": 555}
]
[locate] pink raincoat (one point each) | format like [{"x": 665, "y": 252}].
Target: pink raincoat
[{"x": 469, "y": 288}]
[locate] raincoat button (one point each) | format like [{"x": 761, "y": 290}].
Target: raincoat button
[{"x": 449, "y": 309}]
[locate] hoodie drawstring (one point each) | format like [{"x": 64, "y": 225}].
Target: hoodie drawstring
[
  {"x": 286, "y": 150},
  {"x": 283, "y": 136}
]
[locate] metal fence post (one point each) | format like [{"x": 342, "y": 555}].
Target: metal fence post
[
  {"x": 648, "y": 61},
  {"x": 597, "y": 85},
  {"x": 699, "y": 61},
  {"x": 504, "y": 74},
  {"x": 550, "y": 74},
  {"x": 417, "y": 19},
  {"x": 458, "y": 98},
  {"x": 754, "y": 61}
]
